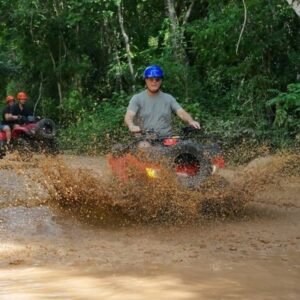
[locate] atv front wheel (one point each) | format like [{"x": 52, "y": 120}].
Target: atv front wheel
[
  {"x": 191, "y": 166},
  {"x": 46, "y": 129}
]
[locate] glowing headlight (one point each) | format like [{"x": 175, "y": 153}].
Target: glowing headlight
[{"x": 152, "y": 173}]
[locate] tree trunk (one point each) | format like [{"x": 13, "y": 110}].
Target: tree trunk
[
  {"x": 174, "y": 24},
  {"x": 295, "y": 4},
  {"x": 127, "y": 44},
  {"x": 57, "y": 78},
  {"x": 177, "y": 29},
  {"x": 40, "y": 94}
]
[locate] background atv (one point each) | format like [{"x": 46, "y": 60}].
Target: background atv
[
  {"x": 192, "y": 162},
  {"x": 31, "y": 135}
]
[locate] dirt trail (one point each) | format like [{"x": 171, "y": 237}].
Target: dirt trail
[{"x": 45, "y": 253}]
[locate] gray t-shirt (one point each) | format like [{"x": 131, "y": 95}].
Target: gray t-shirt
[{"x": 154, "y": 112}]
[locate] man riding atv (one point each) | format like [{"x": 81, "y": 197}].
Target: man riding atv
[
  {"x": 152, "y": 109},
  {"x": 149, "y": 113}
]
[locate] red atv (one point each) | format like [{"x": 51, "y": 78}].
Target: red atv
[
  {"x": 192, "y": 162},
  {"x": 32, "y": 134}
]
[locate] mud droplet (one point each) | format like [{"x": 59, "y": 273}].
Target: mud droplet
[{"x": 16, "y": 262}]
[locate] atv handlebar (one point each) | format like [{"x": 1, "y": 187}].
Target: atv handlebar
[
  {"x": 151, "y": 134},
  {"x": 186, "y": 132},
  {"x": 189, "y": 129},
  {"x": 28, "y": 119},
  {"x": 153, "y": 138}
]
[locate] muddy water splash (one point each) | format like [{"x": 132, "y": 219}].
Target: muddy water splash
[
  {"x": 18, "y": 187},
  {"x": 85, "y": 194},
  {"x": 46, "y": 255}
]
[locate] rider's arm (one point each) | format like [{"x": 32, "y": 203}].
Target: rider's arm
[
  {"x": 186, "y": 117},
  {"x": 10, "y": 117},
  {"x": 8, "y": 114},
  {"x": 129, "y": 116},
  {"x": 15, "y": 112}
]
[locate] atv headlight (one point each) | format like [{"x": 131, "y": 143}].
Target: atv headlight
[{"x": 152, "y": 173}]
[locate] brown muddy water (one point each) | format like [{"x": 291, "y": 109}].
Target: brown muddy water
[{"x": 67, "y": 231}]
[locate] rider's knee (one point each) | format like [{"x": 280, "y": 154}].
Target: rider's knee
[
  {"x": 6, "y": 128},
  {"x": 144, "y": 144}
]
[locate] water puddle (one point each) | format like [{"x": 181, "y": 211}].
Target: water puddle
[{"x": 68, "y": 231}]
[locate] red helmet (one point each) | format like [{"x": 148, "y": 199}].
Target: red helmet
[
  {"x": 10, "y": 98},
  {"x": 22, "y": 96}
]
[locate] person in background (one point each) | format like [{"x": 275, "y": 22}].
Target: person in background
[
  {"x": 20, "y": 110},
  {"x": 8, "y": 120},
  {"x": 152, "y": 109}
]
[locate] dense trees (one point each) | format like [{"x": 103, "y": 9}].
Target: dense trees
[{"x": 79, "y": 59}]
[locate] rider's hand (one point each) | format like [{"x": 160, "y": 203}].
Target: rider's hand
[
  {"x": 134, "y": 129},
  {"x": 195, "y": 124}
]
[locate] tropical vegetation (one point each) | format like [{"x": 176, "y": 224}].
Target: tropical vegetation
[{"x": 234, "y": 65}]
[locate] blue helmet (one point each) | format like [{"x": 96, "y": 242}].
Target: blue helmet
[{"x": 153, "y": 71}]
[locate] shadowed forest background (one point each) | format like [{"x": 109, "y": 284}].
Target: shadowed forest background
[{"x": 234, "y": 65}]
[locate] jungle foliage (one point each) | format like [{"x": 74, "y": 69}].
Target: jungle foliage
[{"x": 81, "y": 61}]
